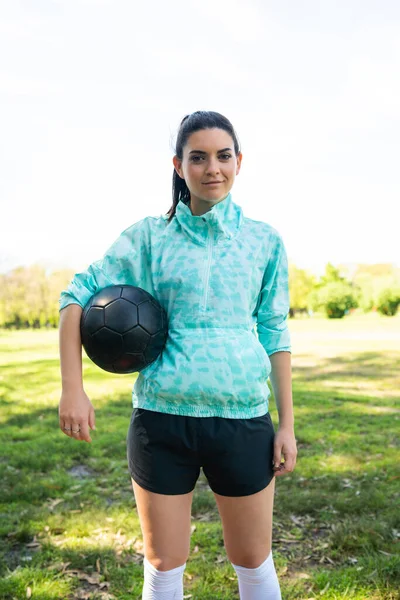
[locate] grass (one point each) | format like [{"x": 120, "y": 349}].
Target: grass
[{"x": 68, "y": 524}]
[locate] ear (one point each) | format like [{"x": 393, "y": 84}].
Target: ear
[
  {"x": 178, "y": 166},
  {"x": 239, "y": 162}
]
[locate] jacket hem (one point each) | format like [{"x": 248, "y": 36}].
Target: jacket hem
[{"x": 245, "y": 412}]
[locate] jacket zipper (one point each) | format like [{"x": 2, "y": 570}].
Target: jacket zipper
[{"x": 207, "y": 278}]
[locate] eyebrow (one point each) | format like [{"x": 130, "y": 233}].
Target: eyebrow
[{"x": 202, "y": 152}]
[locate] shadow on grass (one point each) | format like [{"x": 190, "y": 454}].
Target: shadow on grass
[
  {"x": 37, "y": 372},
  {"x": 53, "y": 572},
  {"x": 362, "y": 365}
]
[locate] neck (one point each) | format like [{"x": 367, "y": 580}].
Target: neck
[{"x": 198, "y": 207}]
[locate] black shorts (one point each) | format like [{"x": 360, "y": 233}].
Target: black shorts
[{"x": 165, "y": 452}]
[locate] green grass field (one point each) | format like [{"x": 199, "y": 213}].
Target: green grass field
[{"x": 69, "y": 528}]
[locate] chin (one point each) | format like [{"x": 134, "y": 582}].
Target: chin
[{"x": 216, "y": 195}]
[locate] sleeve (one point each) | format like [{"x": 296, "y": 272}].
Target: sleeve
[
  {"x": 274, "y": 303},
  {"x": 127, "y": 261}
]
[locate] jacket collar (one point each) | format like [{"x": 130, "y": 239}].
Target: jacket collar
[{"x": 225, "y": 218}]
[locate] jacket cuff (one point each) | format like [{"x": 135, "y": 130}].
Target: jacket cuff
[{"x": 273, "y": 340}]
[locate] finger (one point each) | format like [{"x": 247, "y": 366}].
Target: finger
[
  {"x": 285, "y": 468},
  {"x": 277, "y": 458},
  {"x": 280, "y": 470},
  {"x": 279, "y": 467},
  {"x": 76, "y": 430},
  {"x": 92, "y": 423},
  {"x": 277, "y": 471},
  {"x": 289, "y": 464},
  {"x": 84, "y": 433},
  {"x": 67, "y": 428},
  {"x": 280, "y": 473}
]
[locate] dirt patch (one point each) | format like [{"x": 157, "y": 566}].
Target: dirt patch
[{"x": 80, "y": 471}]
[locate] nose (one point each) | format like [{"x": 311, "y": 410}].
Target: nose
[{"x": 212, "y": 166}]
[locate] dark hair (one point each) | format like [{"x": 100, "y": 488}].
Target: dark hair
[{"x": 201, "y": 119}]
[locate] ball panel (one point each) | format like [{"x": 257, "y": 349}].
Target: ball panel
[
  {"x": 86, "y": 310},
  {"x": 136, "y": 340},
  {"x": 151, "y": 354},
  {"x": 136, "y": 295},
  {"x": 150, "y": 317},
  {"x": 120, "y": 315},
  {"x": 94, "y": 319},
  {"x": 91, "y": 348},
  {"x": 155, "y": 346},
  {"x": 110, "y": 344},
  {"x": 107, "y": 295},
  {"x": 109, "y": 367},
  {"x": 129, "y": 363}
]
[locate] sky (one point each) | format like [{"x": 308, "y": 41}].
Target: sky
[{"x": 92, "y": 93}]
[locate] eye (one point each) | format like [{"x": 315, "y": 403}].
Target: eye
[
  {"x": 194, "y": 158},
  {"x": 225, "y": 156}
]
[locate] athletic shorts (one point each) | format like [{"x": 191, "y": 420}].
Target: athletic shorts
[{"x": 165, "y": 452}]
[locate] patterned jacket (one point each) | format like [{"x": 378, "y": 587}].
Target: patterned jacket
[{"x": 223, "y": 280}]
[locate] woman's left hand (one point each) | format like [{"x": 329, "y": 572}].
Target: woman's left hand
[{"x": 284, "y": 444}]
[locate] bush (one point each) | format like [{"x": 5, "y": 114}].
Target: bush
[
  {"x": 388, "y": 301},
  {"x": 335, "y": 298}
]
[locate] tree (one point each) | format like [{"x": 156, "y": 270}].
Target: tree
[
  {"x": 336, "y": 298},
  {"x": 29, "y": 296},
  {"x": 370, "y": 280},
  {"x": 332, "y": 274},
  {"x": 333, "y": 294},
  {"x": 388, "y": 301},
  {"x": 301, "y": 284}
]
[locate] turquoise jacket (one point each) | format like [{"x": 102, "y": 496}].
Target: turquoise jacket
[{"x": 223, "y": 280}]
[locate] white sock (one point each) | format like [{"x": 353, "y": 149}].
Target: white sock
[
  {"x": 260, "y": 583},
  {"x": 162, "y": 585}
]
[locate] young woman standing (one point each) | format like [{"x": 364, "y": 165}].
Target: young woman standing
[{"x": 204, "y": 402}]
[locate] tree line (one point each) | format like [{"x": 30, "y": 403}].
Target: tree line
[
  {"x": 336, "y": 293},
  {"x": 29, "y": 295}
]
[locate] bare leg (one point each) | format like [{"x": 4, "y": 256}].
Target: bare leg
[
  {"x": 247, "y": 525},
  {"x": 165, "y": 524}
]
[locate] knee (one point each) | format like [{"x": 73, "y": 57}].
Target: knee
[
  {"x": 167, "y": 563},
  {"x": 250, "y": 560}
]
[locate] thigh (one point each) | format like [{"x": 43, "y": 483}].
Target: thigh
[
  {"x": 165, "y": 522},
  {"x": 238, "y": 454},
  {"x": 247, "y": 526},
  {"x": 164, "y": 468},
  {"x": 161, "y": 452}
]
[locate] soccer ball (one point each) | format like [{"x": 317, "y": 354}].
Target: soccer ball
[{"x": 123, "y": 328}]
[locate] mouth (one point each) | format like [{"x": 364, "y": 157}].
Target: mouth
[{"x": 212, "y": 183}]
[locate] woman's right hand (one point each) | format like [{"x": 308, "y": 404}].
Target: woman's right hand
[{"x": 75, "y": 411}]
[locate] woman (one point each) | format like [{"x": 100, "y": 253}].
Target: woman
[{"x": 204, "y": 402}]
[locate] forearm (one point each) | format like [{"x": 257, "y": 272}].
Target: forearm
[
  {"x": 281, "y": 381},
  {"x": 70, "y": 346}
]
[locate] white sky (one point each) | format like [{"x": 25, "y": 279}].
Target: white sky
[{"x": 92, "y": 93}]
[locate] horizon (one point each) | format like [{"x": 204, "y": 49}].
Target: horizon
[{"x": 50, "y": 267}]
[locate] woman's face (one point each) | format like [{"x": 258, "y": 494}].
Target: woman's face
[{"x": 209, "y": 166}]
